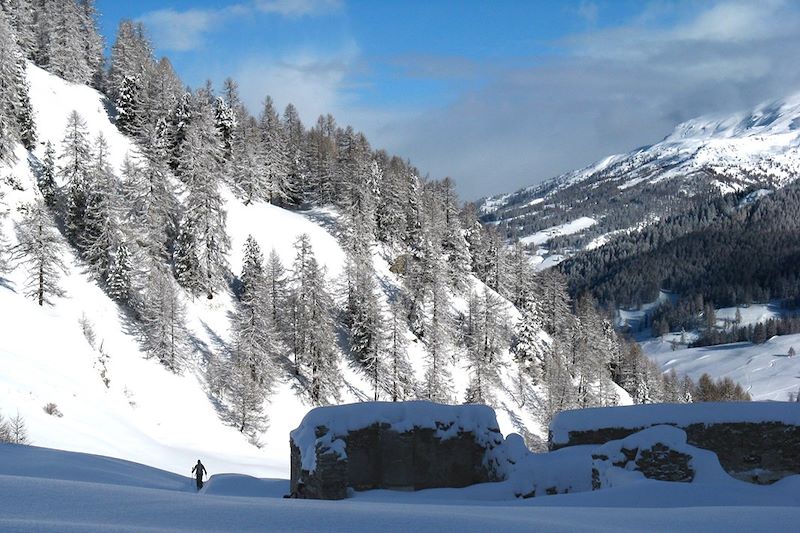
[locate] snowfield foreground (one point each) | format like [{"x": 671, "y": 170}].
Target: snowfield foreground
[{"x": 49, "y": 490}]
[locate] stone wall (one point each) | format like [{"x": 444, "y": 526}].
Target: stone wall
[
  {"x": 380, "y": 457},
  {"x": 759, "y": 452}
]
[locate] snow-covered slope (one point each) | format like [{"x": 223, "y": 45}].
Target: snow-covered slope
[
  {"x": 146, "y": 413},
  {"x": 48, "y": 490},
  {"x": 758, "y": 149},
  {"x": 764, "y": 370}
]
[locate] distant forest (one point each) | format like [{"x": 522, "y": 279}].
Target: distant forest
[{"x": 725, "y": 252}]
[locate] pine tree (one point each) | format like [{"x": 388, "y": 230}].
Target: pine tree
[
  {"x": 274, "y": 156},
  {"x": 118, "y": 284},
  {"x": 399, "y": 383},
  {"x": 250, "y": 179},
  {"x": 131, "y": 57},
  {"x": 438, "y": 330},
  {"x": 295, "y": 136},
  {"x": 276, "y": 285},
  {"x": 74, "y": 170},
  {"x": 39, "y": 249},
  {"x": 9, "y": 90},
  {"x": 25, "y": 114},
  {"x": 527, "y": 347},
  {"x": 310, "y": 332},
  {"x": 93, "y": 43},
  {"x": 149, "y": 195},
  {"x": 47, "y": 177},
  {"x": 255, "y": 346},
  {"x": 101, "y": 231},
  {"x": 67, "y": 53},
  {"x": 204, "y": 211},
  {"x": 163, "y": 318},
  {"x": 484, "y": 342}
]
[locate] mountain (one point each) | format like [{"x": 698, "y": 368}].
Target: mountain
[
  {"x": 84, "y": 354},
  {"x": 703, "y": 158}
]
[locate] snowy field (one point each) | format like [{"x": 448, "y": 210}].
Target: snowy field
[
  {"x": 764, "y": 370},
  {"x": 47, "y": 490},
  {"x": 568, "y": 228}
]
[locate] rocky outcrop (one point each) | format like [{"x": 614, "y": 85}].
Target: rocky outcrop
[
  {"x": 403, "y": 446},
  {"x": 659, "y": 453}
]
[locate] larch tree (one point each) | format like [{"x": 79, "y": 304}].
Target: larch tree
[
  {"x": 75, "y": 166},
  {"x": 204, "y": 210},
  {"x": 254, "y": 348},
  {"x": 39, "y": 249},
  {"x": 399, "y": 383}
]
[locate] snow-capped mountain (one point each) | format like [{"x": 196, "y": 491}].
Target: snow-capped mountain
[{"x": 710, "y": 155}]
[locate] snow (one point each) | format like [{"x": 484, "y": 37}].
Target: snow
[
  {"x": 568, "y": 228},
  {"x": 764, "y": 370},
  {"x": 704, "y": 463},
  {"x": 639, "y": 416},
  {"x": 48, "y": 490}
]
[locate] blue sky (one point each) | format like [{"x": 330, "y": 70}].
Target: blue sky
[{"x": 498, "y": 95}]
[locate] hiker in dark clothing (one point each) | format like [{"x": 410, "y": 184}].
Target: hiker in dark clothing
[{"x": 199, "y": 470}]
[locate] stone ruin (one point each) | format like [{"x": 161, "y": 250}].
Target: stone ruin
[
  {"x": 401, "y": 446},
  {"x": 756, "y": 442}
]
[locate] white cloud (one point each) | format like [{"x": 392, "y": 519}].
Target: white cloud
[
  {"x": 314, "y": 81},
  {"x": 588, "y": 11},
  {"x": 298, "y": 8},
  {"x": 186, "y": 30}
]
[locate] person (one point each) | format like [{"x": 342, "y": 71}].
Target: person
[{"x": 199, "y": 470}]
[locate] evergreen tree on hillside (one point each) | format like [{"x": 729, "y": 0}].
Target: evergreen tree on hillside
[
  {"x": 255, "y": 346},
  {"x": 149, "y": 195},
  {"x": 484, "y": 341},
  {"x": 131, "y": 57},
  {"x": 75, "y": 169},
  {"x": 399, "y": 383},
  {"x": 248, "y": 169},
  {"x": 39, "y": 249},
  {"x": 9, "y": 90},
  {"x": 24, "y": 111},
  {"x": 47, "y": 178},
  {"x": 275, "y": 274},
  {"x": 100, "y": 236},
  {"x": 204, "y": 212},
  {"x": 296, "y": 168},
  {"x": 118, "y": 284},
  {"x": 163, "y": 318},
  {"x": 274, "y": 156},
  {"x": 20, "y": 17},
  {"x": 311, "y": 328},
  {"x": 67, "y": 53}
]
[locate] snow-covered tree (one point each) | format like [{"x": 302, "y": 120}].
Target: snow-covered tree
[
  {"x": 248, "y": 169},
  {"x": 274, "y": 156},
  {"x": 101, "y": 230},
  {"x": 275, "y": 274},
  {"x": 75, "y": 169},
  {"x": 485, "y": 339},
  {"x": 118, "y": 283},
  {"x": 47, "y": 177},
  {"x": 311, "y": 328},
  {"x": 163, "y": 318},
  {"x": 255, "y": 346},
  {"x": 399, "y": 383},
  {"x": 204, "y": 210},
  {"x": 39, "y": 249}
]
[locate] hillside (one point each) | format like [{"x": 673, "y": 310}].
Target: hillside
[{"x": 147, "y": 413}]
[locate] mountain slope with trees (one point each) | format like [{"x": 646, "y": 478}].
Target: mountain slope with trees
[{"x": 257, "y": 266}]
